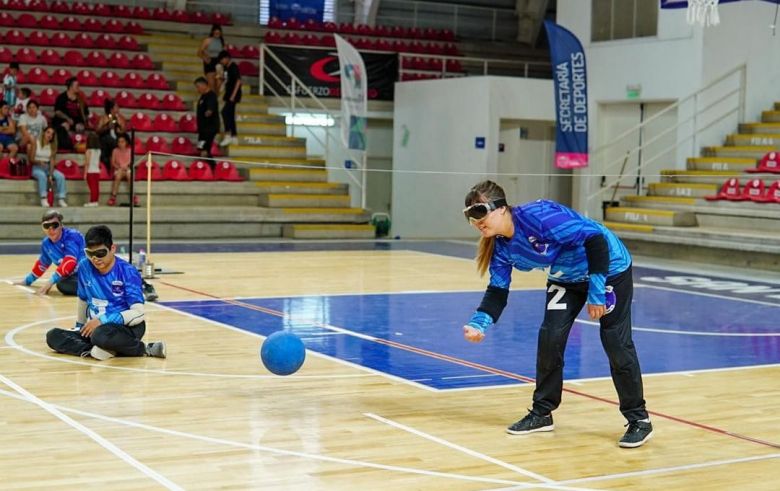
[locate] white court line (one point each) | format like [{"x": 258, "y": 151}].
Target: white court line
[
  {"x": 22, "y": 287},
  {"x": 546, "y": 482},
  {"x": 49, "y": 408},
  {"x": 277, "y": 451},
  {"x": 678, "y": 468},
  {"x": 11, "y": 342},
  {"x": 692, "y": 333},
  {"x": 705, "y": 294}
]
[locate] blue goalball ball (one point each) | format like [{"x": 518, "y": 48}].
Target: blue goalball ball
[{"x": 283, "y": 353}]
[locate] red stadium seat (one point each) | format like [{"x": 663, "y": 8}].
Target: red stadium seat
[
  {"x": 122, "y": 11},
  {"x": 346, "y": 28},
  {"x": 38, "y": 76},
  {"x": 156, "y": 81},
  {"x": 104, "y": 175},
  {"x": 754, "y": 190},
  {"x": 161, "y": 13},
  {"x": 248, "y": 68},
  {"x": 26, "y": 56},
  {"x": 119, "y": 60},
  {"x": 142, "y": 13},
  {"x": 140, "y": 121},
  {"x": 73, "y": 58},
  {"x": 165, "y": 124},
  {"x": 5, "y": 170},
  {"x": 364, "y": 30},
  {"x": 330, "y": 27},
  {"x": 310, "y": 40},
  {"x": 70, "y": 169},
  {"x": 26, "y": 21},
  {"x": 101, "y": 10},
  {"x": 105, "y": 41},
  {"x": 97, "y": 98},
  {"x": 126, "y": 99},
  {"x": 37, "y": 6},
  {"x": 172, "y": 102},
  {"x": 96, "y": 59},
  {"x": 60, "y": 7},
  {"x": 113, "y": 25},
  {"x": 60, "y": 76},
  {"x": 127, "y": 43},
  {"x": 730, "y": 190},
  {"x": 200, "y": 171},
  {"x": 233, "y": 50},
  {"x": 133, "y": 27},
  {"x": 328, "y": 40},
  {"x": 142, "y": 61},
  {"x": 92, "y": 25},
  {"x": 139, "y": 147},
  {"x": 7, "y": 20},
  {"x": 175, "y": 171},
  {"x": 148, "y": 101},
  {"x": 180, "y": 16},
  {"x": 157, "y": 144},
  {"x": 38, "y": 38},
  {"x": 60, "y": 40},
  {"x": 87, "y": 78},
  {"x": 80, "y": 8},
  {"x": 292, "y": 38},
  {"x": 273, "y": 37},
  {"x": 769, "y": 163},
  {"x": 6, "y": 55},
  {"x": 221, "y": 19},
  {"x": 181, "y": 145},
  {"x": 142, "y": 168},
  {"x": 188, "y": 124},
  {"x": 133, "y": 80},
  {"x": 94, "y": 117},
  {"x": 70, "y": 23},
  {"x": 773, "y": 193},
  {"x": 16, "y": 37},
  {"x": 49, "y": 57},
  {"x": 226, "y": 171},
  {"x": 250, "y": 51},
  {"x": 199, "y": 18},
  {"x": 47, "y": 97}
]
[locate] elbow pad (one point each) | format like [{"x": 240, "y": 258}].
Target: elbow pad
[
  {"x": 494, "y": 301},
  {"x": 597, "y": 251}
]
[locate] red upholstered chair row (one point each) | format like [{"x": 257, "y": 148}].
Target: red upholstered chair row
[
  {"x": 73, "y": 58},
  {"x": 754, "y": 190},
  {"x": 365, "y": 44},
  {"x": 364, "y": 30},
  {"x": 198, "y": 170},
  {"x": 132, "y": 80},
  {"x": 122, "y": 11},
  {"x": 69, "y": 23},
  {"x": 67, "y": 39}
]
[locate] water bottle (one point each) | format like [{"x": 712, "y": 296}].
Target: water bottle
[{"x": 141, "y": 259}]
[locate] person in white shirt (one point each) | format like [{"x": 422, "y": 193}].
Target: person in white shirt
[
  {"x": 43, "y": 168},
  {"x": 31, "y": 125}
]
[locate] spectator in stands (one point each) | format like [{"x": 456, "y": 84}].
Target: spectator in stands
[
  {"x": 110, "y": 125},
  {"x": 7, "y": 130},
  {"x": 207, "y": 117},
  {"x": 70, "y": 113},
  {"x": 63, "y": 247},
  {"x": 9, "y": 84},
  {"x": 21, "y": 103},
  {"x": 92, "y": 168},
  {"x": 209, "y": 52},
  {"x": 45, "y": 150},
  {"x": 231, "y": 98},
  {"x": 31, "y": 125},
  {"x": 121, "y": 162}
]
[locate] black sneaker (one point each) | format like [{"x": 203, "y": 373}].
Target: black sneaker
[
  {"x": 150, "y": 294},
  {"x": 637, "y": 434},
  {"x": 531, "y": 424}
]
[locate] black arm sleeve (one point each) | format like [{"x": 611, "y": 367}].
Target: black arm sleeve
[
  {"x": 597, "y": 250},
  {"x": 494, "y": 301}
]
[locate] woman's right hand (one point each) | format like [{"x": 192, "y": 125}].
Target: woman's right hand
[{"x": 473, "y": 335}]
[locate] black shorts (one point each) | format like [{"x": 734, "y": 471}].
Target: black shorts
[{"x": 211, "y": 66}]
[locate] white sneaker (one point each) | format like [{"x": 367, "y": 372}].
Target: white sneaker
[
  {"x": 100, "y": 354},
  {"x": 90, "y": 204},
  {"x": 61, "y": 203},
  {"x": 234, "y": 140},
  {"x": 44, "y": 203},
  {"x": 226, "y": 141}
]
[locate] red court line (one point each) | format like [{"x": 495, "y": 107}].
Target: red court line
[{"x": 477, "y": 366}]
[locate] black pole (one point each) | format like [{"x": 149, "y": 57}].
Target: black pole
[{"x": 132, "y": 193}]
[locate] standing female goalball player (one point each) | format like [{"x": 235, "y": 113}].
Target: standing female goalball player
[{"x": 588, "y": 264}]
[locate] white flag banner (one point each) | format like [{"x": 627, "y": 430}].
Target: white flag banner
[{"x": 354, "y": 95}]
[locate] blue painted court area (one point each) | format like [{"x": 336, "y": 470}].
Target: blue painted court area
[{"x": 677, "y": 328}]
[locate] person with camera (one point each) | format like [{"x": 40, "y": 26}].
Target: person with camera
[
  {"x": 71, "y": 113},
  {"x": 109, "y": 127}
]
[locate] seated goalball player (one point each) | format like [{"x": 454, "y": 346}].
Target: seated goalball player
[
  {"x": 110, "y": 313},
  {"x": 61, "y": 246}
]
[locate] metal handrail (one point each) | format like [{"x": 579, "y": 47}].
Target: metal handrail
[
  {"x": 485, "y": 62},
  {"x": 697, "y": 112}
]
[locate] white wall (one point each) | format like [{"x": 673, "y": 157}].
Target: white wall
[{"x": 442, "y": 118}]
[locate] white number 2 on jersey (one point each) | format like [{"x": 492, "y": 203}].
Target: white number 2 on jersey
[{"x": 555, "y": 303}]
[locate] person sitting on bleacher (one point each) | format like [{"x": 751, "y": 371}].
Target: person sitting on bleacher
[
  {"x": 43, "y": 171},
  {"x": 109, "y": 127},
  {"x": 121, "y": 160},
  {"x": 31, "y": 125},
  {"x": 7, "y": 130},
  {"x": 70, "y": 113}
]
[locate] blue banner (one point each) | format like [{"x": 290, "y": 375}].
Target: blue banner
[
  {"x": 571, "y": 97},
  {"x": 302, "y": 10}
]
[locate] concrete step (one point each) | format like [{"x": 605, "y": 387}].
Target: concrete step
[
  {"x": 190, "y": 94},
  {"x": 269, "y": 140},
  {"x": 279, "y": 163},
  {"x": 673, "y": 189},
  {"x": 258, "y": 118},
  {"x": 759, "y": 128},
  {"x": 746, "y": 151},
  {"x": 279, "y": 129},
  {"x": 325, "y": 215},
  {"x": 329, "y": 231},
  {"x": 698, "y": 176},
  {"x": 770, "y": 116},
  {"x": 720, "y": 163},
  {"x": 264, "y": 151},
  {"x": 304, "y": 200},
  {"x": 650, "y": 216},
  {"x": 287, "y": 175},
  {"x": 298, "y": 187},
  {"x": 633, "y": 227},
  {"x": 747, "y": 139}
]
